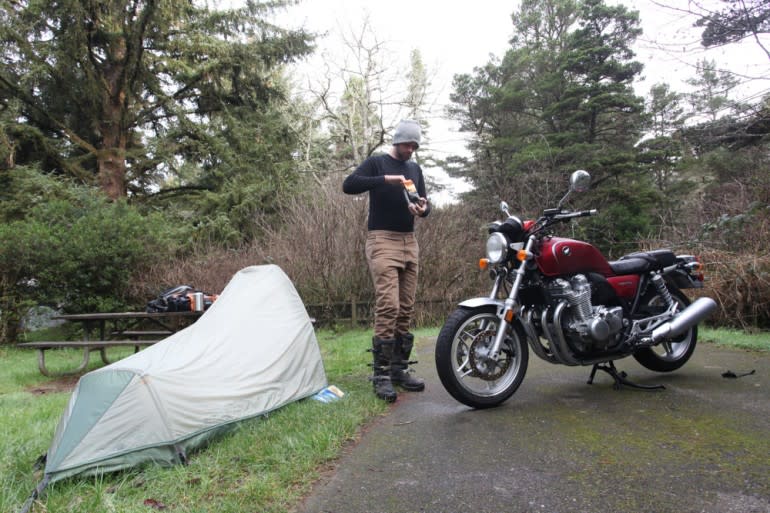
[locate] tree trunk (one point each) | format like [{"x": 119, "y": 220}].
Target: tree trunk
[
  {"x": 10, "y": 315},
  {"x": 9, "y": 327},
  {"x": 112, "y": 171},
  {"x": 112, "y": 154}
]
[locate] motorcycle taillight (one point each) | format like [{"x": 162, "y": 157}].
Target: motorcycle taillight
[{"x": 695, "y": 267}]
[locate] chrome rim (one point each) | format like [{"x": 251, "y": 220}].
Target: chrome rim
[{"x": 472, "y": 368}]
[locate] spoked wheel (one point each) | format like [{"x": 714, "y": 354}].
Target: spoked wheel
[
  {"x": 463, "y": 363},
  {"x": 671, "y": 353}
]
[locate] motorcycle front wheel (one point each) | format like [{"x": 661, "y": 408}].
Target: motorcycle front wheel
[
  {"x": 671, "y": 353},
  {"x": 462, "y": 361}
]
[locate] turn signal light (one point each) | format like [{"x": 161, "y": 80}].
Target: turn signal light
[
  {"x": 522, "y": 255},
  {"x": 483, "y": 263},
  {"x": 509, "y": 315}
]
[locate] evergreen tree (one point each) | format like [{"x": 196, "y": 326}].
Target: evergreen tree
[
  {"x": 661, "y": 150},
  {"x": 560, "y": 99},
  {"x": 415, "y": 104},
  {"x": 736, "y": 21},
  {"x": 712, "y": 89},
  {"x": 125, "y": 93},
  {"x": 417, "y": 89}
]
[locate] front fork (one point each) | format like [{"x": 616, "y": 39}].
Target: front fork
[{"x": 509, "y": 308}]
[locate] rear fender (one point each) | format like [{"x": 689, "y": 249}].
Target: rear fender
[{"x": 683, "y": 280}]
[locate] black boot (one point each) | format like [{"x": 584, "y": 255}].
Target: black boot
[
  {"x": 382, "y": 356},
  {"x": 399, "y": 368}
]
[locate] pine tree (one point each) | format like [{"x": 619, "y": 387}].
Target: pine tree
[
  {"x": 712, "y": 90},
  {"x": 736, "y": 21},
  {"x": 560, "y": 99},
  {"x": 660, "y": 151}
]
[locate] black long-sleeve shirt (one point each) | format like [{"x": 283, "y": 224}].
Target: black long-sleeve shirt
[{"x": 388, "y": 207}]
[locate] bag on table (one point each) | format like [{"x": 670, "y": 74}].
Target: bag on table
[{"x": 179, "y": 299}]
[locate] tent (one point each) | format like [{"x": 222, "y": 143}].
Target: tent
[{"x": 252, "y": 352}]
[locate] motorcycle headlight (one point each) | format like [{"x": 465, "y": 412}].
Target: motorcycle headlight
[{"x": 497, "y": 248}]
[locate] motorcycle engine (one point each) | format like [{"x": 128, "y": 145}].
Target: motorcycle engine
[{"x": 588, "y": 327}]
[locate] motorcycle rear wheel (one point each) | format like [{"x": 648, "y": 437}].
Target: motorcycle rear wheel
[
  {"x": 670, "y": 354},
  {"x": 461, "y": 363}
]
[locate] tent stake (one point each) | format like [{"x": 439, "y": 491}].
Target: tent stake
[{"x": 37, "y": 492}]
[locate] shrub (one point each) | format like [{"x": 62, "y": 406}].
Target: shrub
[
  {"x": 71, "y": 248},
  {"x": 740, "y": 284}
]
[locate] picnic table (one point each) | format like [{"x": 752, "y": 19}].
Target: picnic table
[{"x": 113, "y": 329}]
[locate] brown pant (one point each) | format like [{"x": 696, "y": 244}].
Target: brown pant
[{"x": 392, "y": 258}]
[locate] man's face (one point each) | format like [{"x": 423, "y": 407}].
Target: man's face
[{"x": 405, "y": 150}]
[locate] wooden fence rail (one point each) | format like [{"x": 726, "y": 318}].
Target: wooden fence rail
[{"x": 358, "y": 313}]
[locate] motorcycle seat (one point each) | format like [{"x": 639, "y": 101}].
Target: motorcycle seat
[{"x": 643, "y": 261}]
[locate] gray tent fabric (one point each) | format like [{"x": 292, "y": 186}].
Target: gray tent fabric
[{"x": 253, "y": 351}]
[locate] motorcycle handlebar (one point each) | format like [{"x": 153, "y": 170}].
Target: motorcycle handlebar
[
  {"x": 570, "y": 215},
  {"x": 552, "y": 216}
]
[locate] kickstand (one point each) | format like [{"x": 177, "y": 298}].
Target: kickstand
[{"x": 619, "y": 377}]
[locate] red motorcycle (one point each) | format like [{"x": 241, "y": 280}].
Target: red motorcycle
[{"x": 564, "y": 300}]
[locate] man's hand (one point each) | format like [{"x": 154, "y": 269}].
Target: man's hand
[{"x": 418, "y": 209}]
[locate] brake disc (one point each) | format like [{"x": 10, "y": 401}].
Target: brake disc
[{"x": 482, "y": 366}]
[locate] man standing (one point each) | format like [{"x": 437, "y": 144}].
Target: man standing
[{"x": 396, "y": 195}]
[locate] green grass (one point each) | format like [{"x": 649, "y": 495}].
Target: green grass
[
  {"x": 266, "y": 464},
  {"x": 735, "y": 338}
]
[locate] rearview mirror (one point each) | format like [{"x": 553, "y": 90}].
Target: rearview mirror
[{"x": 580, "y": 181}]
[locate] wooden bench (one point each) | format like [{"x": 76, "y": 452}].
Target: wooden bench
[
  {"x": 86, "y": 345},
  {"x": 143, "y": 333}
]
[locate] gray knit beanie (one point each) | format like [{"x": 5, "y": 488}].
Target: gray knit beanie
[{"x": 408, "y": 130}]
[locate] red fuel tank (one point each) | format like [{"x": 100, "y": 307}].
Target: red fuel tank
[{"x": 559, "y": 256}]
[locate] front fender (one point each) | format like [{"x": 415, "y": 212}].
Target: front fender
[
  {"x": 527, "y": 329},
  {"x": 477, "y": 302}
]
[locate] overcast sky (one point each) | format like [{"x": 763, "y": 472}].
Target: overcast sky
[{"x": 454, "y": 36}]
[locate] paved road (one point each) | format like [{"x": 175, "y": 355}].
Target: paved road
[{"x": 560, "y": 445}]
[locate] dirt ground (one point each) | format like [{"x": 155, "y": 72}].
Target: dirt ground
[{"x": 61, "y": 384}]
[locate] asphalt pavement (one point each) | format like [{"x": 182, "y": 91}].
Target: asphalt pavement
[{"x": 559, "y": 445}]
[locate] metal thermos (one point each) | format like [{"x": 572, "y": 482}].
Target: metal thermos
[{"x": 198, "y": 305}]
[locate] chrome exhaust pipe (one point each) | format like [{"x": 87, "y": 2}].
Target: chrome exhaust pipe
[{"x": 684, "y": 320}]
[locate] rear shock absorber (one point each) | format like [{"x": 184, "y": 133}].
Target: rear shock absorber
[{"x": 660, "y": 284}]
